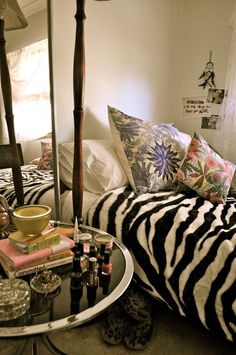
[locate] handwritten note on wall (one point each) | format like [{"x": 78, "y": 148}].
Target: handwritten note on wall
[{"x": 196, "y": 106}]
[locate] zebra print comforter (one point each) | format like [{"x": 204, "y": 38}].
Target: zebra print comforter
[
  {"x": 184, "y": 250},
  {"x": 35, "y": 183}
]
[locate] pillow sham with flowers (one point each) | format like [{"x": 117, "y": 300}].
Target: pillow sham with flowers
[
  {"x": 149, "y": 153},
  {"x": 46, "y": 158},
  {"x": 204, "y": 171}
]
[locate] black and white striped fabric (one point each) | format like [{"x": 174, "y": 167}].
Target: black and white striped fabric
[
  {"x": 183, "y": 248},
  {"x": 35, "y": 183}
]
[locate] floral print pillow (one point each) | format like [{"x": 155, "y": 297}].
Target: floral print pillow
[
  {"x": 205, "y": 171},
  {"x": 46, "y": 159},
  {"x": 149, "y": 153}
]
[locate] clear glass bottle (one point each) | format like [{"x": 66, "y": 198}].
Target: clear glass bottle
[{"x": 85, "y": 239}]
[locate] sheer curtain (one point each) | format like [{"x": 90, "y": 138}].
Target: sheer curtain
[
  {"x": 227, "y": 134},
  {"x": 29, "y": 72}
]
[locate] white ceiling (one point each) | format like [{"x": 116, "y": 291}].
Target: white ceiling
[{"x": 29, "y": 7}]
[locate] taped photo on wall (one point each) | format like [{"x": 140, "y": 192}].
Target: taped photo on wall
[{"x": 212, "y": 122}]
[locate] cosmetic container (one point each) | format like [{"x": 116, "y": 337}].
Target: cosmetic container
[
  {"x": 85, "y": 239},
  {"x": 93, "y": 251},
  {"x": 106, "y": 239},
  {"x": 106, "y": 265},
  {"x": 76, "y": 284},
  {"x": 106, "y": 279},
  {"x": 101, "y": 253},
  {"x": 100, "y": 258},
  {"x": 92, "y": 282},
  {"x": 76, "y": 275},
  {"x": 92, "y": 272}
]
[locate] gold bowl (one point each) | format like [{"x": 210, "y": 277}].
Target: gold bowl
[{"x": 31, "y": 219}]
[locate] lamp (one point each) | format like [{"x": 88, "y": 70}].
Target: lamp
[
  {"x": 78, "y": 87},
  {"x": 11, "y": 18}
]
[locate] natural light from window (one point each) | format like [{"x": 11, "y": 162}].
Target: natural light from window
[{"x": 29, "y": 72}]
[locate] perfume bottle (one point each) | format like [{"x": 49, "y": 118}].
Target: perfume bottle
[{"x": 92, "y": 282}]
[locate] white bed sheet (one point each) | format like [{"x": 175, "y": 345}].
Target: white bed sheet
[
  {"x": 49, "y": 200},
  {"x": 66, "y": 204}
]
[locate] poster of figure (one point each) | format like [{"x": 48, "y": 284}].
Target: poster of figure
[
  {"x": 215, "y": 96},
  {"x": 212, "y": 122},
  {"x": 195, "y": 107}
]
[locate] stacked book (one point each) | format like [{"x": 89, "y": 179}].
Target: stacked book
[{"x": 22, "y": 255}]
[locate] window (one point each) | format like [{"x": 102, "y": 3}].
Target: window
[{"x": 29, "y": 73}]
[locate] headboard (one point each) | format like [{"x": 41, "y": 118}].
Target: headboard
[{"x": 6, "y": 155}]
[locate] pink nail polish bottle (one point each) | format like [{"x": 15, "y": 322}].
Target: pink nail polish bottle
[{"x": 107, "y": 265}]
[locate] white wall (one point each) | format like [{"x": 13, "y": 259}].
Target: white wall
[
  {"x": 128, "y": 61},
  {"x": 142, "y": 56},
  {"x": 204, "y": 27}
]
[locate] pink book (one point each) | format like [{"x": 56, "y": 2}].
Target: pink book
[{"x": 18, "y": 259}]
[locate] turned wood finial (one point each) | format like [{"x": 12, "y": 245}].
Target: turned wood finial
[{"x": 78, "y": 87}]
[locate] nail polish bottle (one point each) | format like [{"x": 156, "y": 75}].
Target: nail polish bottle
[
  {"x": 92, "y": 282},
  {"x": 106, "y": 265},
  {"x": 76, "y": 282},
  {"x": 106, "y": 279},
  {"x": 100, "y": 258},
  {"x": 76, "y": 293},
  {"x": 92, "y": 272},
  {"x": 93, "y": 251}
]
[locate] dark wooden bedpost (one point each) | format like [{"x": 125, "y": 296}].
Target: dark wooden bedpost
[
  {"x": 78, "y": 86},
  {"x": 7, "y": 99}
]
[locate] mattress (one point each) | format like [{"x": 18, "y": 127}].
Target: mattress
[
  {"x": 38, "y": 186},
  {"x": 66, "y": 204},
  {"x": 183, "y": 248}
]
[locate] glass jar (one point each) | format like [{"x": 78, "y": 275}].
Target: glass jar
[
  {"x": 15, "y": 297},
  {"x": 85, "y": 239}
]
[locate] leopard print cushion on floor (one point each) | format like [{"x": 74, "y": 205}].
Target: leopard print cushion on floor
[
  {"x": 130, "y": 319},
  {"x": 115, "y": 326}
]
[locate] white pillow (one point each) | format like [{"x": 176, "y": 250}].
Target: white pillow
[{"x": 102, "y": 170}]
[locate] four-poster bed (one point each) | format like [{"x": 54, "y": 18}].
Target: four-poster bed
[
  {"x": 78, "y": 86},
  {"x": 78, "y": 89},
  {"x": 181, "y": 238}
]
